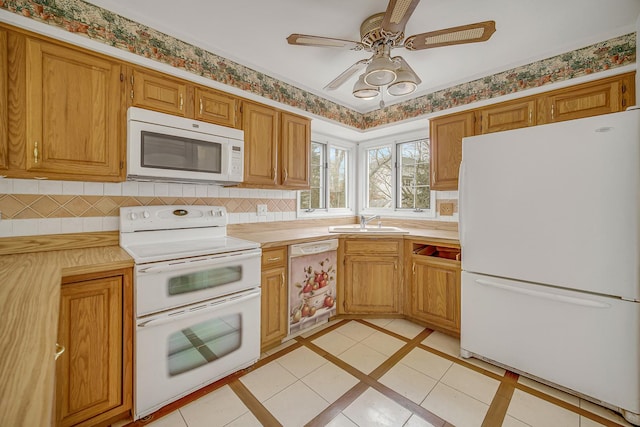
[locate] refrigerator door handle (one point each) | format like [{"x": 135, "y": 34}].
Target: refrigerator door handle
[
  {"x": 546, "y": 295},
  {"x": 461, "y": 203}
]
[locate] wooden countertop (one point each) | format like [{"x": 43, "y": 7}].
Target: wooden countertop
[
  {"x": 29, "y": 305},
  {"x": 281, "y": 237}
]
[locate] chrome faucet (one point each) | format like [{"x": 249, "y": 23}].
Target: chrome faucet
[{"x": 364, "y": 221}]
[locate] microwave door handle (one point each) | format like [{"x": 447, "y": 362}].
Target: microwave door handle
[
  {"x": 198, "y": 310},
  {"x": 211, "y": 261}
]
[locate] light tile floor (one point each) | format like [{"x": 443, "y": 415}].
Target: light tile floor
[{"x": 336, "y": 375}]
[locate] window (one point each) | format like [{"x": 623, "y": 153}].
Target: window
[
  {"x": 330, "y": 187},
  {"x": 413, "y": 175},
  {"x": 396, "y": 180}
]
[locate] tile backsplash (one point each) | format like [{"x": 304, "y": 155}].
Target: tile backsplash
[{"x": 33, "y": 207}]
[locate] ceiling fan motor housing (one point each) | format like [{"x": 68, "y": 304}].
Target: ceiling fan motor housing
[{"x": 372, "y": 34}]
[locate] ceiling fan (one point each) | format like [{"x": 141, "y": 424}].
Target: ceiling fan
[{"x": 382, "y": 32}]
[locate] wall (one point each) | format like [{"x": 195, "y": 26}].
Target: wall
[{"x": 32, "y": 207}]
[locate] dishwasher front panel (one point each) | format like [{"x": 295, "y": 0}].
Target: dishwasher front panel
[{"x": 312, "y": 288}]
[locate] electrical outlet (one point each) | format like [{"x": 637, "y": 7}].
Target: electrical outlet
[
  {"x": 446, "y": 209},
  {"x": 262, "y": 210}
]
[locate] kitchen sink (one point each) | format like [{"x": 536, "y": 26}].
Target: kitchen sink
[{"x": 355, "y": 228}]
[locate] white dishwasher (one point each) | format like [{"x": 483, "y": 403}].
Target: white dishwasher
[{"x": 312, "y": 284}]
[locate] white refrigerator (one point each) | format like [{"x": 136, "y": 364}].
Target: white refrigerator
[{"x": 550, "y": 236}]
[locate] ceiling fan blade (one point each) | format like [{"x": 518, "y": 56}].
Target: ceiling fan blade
[
  {"x": 306, "y": 40},
  {"x": 472, "y": 33},
  {"x": 346, "y": 75},
  {"x": 397, "y": 14}
]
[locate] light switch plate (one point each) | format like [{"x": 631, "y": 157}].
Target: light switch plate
[{"x": 262, "y": 210}]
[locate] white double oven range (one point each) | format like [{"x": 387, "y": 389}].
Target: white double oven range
[{"x": 196, "y": 300}]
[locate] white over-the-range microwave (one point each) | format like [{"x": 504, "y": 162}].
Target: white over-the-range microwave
[{"x": 162, "y": 147}]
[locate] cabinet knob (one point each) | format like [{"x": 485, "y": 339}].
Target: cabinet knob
[
  {"x": 281, "y": 279},
  {"x": 181, "y": 102},
  {"x": 35, "y": 152},
  {"x": 286, "y": 174},
  {"x": 200, "y": 105}
]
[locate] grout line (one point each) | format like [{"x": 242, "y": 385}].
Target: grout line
[
  {"x": 568, "y": 406},
  {"x": 460, "y": 362},
  {"x": 371, "y": 380},
  {"x": 381, "y": 329},
  {"x": 498, "y": 409},
  {"x": 265, "y": 417},
  {"x": 334, "y": 409},
  {"x": 398, "y": 355}
]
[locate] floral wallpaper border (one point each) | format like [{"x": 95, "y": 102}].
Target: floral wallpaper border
[{"x": 99, "y": 24}]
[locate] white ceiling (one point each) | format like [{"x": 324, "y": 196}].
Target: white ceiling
[{"x": 253, "y": 33}]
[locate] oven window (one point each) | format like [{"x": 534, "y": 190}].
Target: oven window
[
  {"x": 203, "y": 343},
  {"x": 204, "y": 279},
  {"x": 174, "y": 152}
]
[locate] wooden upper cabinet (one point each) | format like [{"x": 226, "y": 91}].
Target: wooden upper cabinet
[
  {"x": 604, "y": 96},
  {"x": 158, "y": 92},
  {"x": 73, "y": 112},
  {"x": 446, "y": 135},
  {"x": 4, "y": 128},
  {"x": 260, "y": 144},
  {"x": 506, "y": 116},
  {"x": 215, "y": 107},
  {"x": 295, "y": 151}
]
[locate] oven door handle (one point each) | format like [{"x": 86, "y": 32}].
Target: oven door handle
[
  {"x": 203, "y": 262},
  {"x": 199, "y": 309}
]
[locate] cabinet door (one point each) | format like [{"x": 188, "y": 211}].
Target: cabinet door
[
  {"x": 585, "y": 100},
  {"x": 371, "y": 284},
  {"x": 215, "y": 107},
  {"x": 260, "y": 144},
  {"x": 73, "y": 112},
  {"x": 4, "y": 127},
  {"x": 446, "y": 135},
  {"x": 435, "y": 292},
  {"x": 506, "y": 116},
  {"x": 273, "y": 314},
  {"x": 89, "y": 373},
  {"x": 158, "y": 92},
  {"x": 295, "y": 148}
]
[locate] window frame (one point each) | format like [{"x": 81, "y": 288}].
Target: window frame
[
  {"x": 350, "y": 177},
  {"x": 363, "y": 178}
]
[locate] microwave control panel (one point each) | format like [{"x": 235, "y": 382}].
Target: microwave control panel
[{"x": 237, "y": 160}]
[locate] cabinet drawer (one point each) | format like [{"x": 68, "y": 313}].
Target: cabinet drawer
[
  {"x": 368, "y": 246},
  {"x": 274, "y": 257}
]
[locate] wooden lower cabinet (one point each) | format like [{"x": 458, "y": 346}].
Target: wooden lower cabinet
[
  {"x": 274, "y": 300},
  {"x": 433, "y": 288},
  {"x": 94, "y": 374},
  {"x": 371, "y": 277}
]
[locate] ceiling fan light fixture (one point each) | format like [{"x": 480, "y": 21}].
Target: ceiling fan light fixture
[
  {"x": 405, "y": 83},
  {"x": 380, "y": 72},
  {"x": 363, "y": 90}
]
